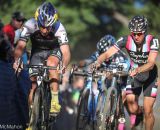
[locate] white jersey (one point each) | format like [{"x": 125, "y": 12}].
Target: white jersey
[{"x": 31, "y": 26}]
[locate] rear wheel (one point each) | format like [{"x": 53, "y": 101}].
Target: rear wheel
[{"x": 82, "y": 116}]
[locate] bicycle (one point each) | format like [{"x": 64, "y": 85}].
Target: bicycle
[
  {"x": 39, "y": 118},
  {"x": 92, "y": 100},
  {"x": 114, "y": 109}
]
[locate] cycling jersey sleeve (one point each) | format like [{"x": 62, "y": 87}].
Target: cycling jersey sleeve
[
  {"x": 121, "y": 42},
  {"x": 29, "y": 27},
  {"x": 92, "y": 58},
  {"x": 154, "y": 45},
  {"x": 61, "y": 35}
]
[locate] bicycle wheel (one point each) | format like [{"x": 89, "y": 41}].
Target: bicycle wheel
[
  {"x": 46, "y": 104},
  {"x": 35, "y": 110},
  {"x": 82, "y": 115},
  {"x": 120, "y": 120},
  {"x": 108, "y": 123},
  {"x": 100, "y": 111}
]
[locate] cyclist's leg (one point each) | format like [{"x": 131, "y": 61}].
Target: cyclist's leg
[
  {"x": 35, "y": 60},
  {"x": 33, "y": 87},
  {"x": 132, "y": 99},
  {"x": 53, "y": 60},
  {"x": 150, "y": 93}
]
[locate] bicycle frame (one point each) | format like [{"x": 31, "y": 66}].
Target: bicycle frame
[
  {"x": 41, "y": 98},
  {"x": 95, "y": 95},
  {"x": 115, "y": 112}
]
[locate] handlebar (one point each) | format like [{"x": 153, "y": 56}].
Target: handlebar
[
  {"x": 101, "y": 72},
  {"x": 42, "y": 67}
]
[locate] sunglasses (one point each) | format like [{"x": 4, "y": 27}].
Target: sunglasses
[
  {"x": 138, "y": 34},
  {"x": 48, "y": 28},
  {"x": 19, "y": 20}
]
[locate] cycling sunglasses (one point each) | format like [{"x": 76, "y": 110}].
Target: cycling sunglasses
[{"x": 138, "y": 34}]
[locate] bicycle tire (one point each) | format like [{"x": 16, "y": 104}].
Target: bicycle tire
[
  {"x": 100, "y": 111},
  {"x": 82, "y": 117},
  {"x": 110, "y": 110},
  {"x": 47, "y": 103},
  {"x": 34, "y": 113}
]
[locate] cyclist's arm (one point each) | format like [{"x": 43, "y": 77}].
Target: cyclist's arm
[
  {"x": 66, "y": 54},
  {"x": 64, "y": 45},
  {"x": 27, "y": 29},
  {"x": 19, "y": 49},
  {"x": 88, "y": 61},
  {"x": 154, "y": 47},
  {"x": 111, "y": 51},
  {"x": 150, "y": 64}
]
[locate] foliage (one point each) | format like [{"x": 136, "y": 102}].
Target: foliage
[{"x": 87, "y": 21}]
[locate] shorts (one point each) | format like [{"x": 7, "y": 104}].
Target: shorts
[
  {"x": 39, "y": 58},
  {"x": 135, "y": 86}
]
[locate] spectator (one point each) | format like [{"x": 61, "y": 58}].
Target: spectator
[{"x": 16, "y": 22}]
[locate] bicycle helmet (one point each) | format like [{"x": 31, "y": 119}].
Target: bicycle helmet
[
  {"x": 105, "y": 42},
  {"x": 138, "y": 24},
  {"x": 46, "y": 15}
]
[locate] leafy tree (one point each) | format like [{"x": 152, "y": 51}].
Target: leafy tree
[{"x": 87, "y": 21}]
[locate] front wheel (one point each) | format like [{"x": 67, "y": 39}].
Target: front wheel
[
  {"x": 100, "y": 110},
  {"x": 82, "y": 116},
  {"x": 109, "y": 122},
  {"x": 35, "y": 110}
]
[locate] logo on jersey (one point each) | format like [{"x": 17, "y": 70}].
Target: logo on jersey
[{"x": 155, "y": 44}]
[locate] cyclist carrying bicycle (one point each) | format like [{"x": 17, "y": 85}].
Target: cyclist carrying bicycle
[
  {"x": 142, "y": 49},
  {"x": 49, "y": 42}
]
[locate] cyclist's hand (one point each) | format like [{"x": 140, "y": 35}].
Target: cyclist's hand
[
  {"x": 18, "y": 66},
  {"x": 95, "y": 65},
  {"x": 133, "y": 72},
  {"x": 158, "y": 82},
  {"x": 63, "y": 69}
]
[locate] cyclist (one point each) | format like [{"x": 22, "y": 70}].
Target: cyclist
[
  {"x": 49, "y": 42},
  {"x": 120, "y": 59},
  {"x": 103, "y": 45},
  {"x": 143, "y": 50}
]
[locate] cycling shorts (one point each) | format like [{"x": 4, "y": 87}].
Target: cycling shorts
[
  {"x": 149, "y": 87},
  {"x": 39, "y": 58}
]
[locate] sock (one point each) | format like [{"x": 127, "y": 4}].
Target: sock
[
  {"x": 55, "y": 96},
  {"x": 132, "y": 119}
]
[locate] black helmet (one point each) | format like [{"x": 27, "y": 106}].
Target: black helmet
[
  {"x": 19, "y": 16},
  {"x": 105, "y": 42},
  {"x": 138, "y": 24}
]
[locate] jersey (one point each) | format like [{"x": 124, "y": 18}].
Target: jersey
[
  {"x": 138, "y": 57},
  {"x": 119, "y": 59},
  {"x": 56, "y": 37}
]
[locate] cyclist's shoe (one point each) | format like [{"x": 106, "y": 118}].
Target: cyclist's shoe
[
  {"x": 55, "y": 108},
  {"x": 29, "y": 128}
]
